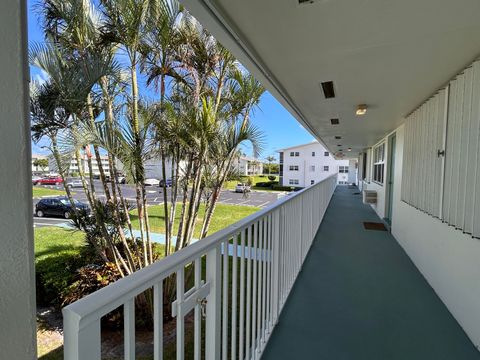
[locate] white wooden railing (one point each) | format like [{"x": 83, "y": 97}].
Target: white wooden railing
[{"x": 248, "y": 271}]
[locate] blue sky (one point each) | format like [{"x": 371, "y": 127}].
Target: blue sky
[{"x": 280, "y": 128}]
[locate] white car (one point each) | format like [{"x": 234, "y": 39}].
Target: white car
[
  {"x": 74, "y": 183},
  {"x": 152, "y": 182},
  {"x": 35, "y": 179},
  {"x": 242, "y": 188}
]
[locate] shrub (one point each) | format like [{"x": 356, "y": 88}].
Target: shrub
[
  {"x": 267, "y": 184},
  {"x": 283, "y": 188},
  {"x": 88, "y": 279},
  {"x": 55, "y": 273},
  {"x": 262, "y": 184},
  {"x": 271, "y": 177}
]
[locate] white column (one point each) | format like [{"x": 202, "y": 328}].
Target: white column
[{"x": 17, "y": 277}]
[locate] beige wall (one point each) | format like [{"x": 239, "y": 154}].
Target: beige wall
[{"x": 17, "y": 278}]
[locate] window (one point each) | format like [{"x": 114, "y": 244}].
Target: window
[
  {"x": 312, "y": 168},
  {"x": 293, "y": 182},
  {"x": 293, "y": 168},
  {"x": 294, "y": 154},
  {"x": 343, "y": 169},
  {"x": 313, "y": 153},
  {"x": 312, "y": 182},
  {"x": 326, "y": 153},
  {"x": 297, "y": 153},
  {"x": 325, "y": 168},
  {"x": 379, "y": 163}
]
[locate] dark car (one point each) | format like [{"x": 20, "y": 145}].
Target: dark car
[
  {"x": 59, "y": 206},
  {"x": 168, "y": 183}
]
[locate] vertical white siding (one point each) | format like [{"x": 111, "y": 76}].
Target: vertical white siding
[
  {"x": 446, "y": 187},
  {"x": 423, "y": 138}
]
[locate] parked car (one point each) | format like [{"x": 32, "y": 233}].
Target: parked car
[
  {"x": 74, "y": 183},
  {"x": 35, "y": 179},
  {"x": 242, "y": 188},
  {"x": 59, "y": 206},
  {"x": 152, "y": 182},
  {"x": 168, "y": 182},
  {"x": 50, "y": 180},
  {"x": 122, "y": 180}
]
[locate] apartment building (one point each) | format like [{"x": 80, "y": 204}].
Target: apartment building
[
  {"x": 74, "y": 167},
  {"x": 248, "y": 166},
  {"x": 306, "y": 164}
]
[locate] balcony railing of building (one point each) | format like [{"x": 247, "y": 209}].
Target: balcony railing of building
[{"x": 241, "y": 278}]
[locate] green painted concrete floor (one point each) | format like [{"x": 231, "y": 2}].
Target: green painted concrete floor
[{"x": 359, "y": 296}]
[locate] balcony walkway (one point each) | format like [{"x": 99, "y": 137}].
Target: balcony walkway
[{"x": 360, "y": 297}]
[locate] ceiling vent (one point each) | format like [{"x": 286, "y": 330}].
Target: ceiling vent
[
  {"x": 334, "y": 121},
  {"x": 338, "y": 137},
  {"x": 307, "y": 2},
  {"x": 328, "y": 90}
]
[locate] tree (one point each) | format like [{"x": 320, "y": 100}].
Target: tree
[
  {"x": 270, "y": 159},
  {"x": 94, "y": 53},
  {"x": 41, "y": 163}
]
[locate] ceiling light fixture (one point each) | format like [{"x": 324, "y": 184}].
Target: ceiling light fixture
[
  {"x": 349, "y": 149},
  {"x": 361, "y": 109}
]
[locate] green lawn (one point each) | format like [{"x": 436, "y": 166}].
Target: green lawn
[
  {"x": 40, "y": 191},
  {"x": 230, "y": 185},
  {"x": 224, "y": 216}
]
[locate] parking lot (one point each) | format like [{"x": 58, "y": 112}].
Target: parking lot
[{"x": 155, "y": 197}]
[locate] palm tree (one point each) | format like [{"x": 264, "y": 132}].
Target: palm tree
[
  {"x": 270, "y": 159},
  {"x": 126, "y": 23}
]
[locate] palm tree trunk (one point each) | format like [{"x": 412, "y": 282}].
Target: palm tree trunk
[
  {"x": 96, "y": 150},
  {"x": 214, "y": 199},
  {"x": 181, "y": 225},
  {"x": 168, "y": 233},
  {"x": 82, "y": 178}
]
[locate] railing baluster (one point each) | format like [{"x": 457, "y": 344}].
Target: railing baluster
[
  {"x": 158, "y": 321},
  {"x": 180, "y": 314},
  {"x": 254, "y": 290},
  {"x": 241, "y": 329},
  {"x": 212, "y": 323},
  {"x": 249, "y": 293},
  {"x": 129, "y": 329},
  {"x": 264, "y": 278},
  {"x": 260, "y": 287},
  {"x": 234, "y": 299},
  {"x": 198, "y": 313},
  {"x": 225, "y": 301}
]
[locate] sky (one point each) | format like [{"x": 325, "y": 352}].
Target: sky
[{"x": 280, "y": 129}]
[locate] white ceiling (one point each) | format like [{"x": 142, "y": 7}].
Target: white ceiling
[{"x": 388, "y": 54}]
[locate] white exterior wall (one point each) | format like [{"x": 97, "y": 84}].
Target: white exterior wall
[
  {"x": 38, "y": 169},
  {"x": 305, "y": 161},
  {"x": 244, "y": 166},
  {"x": 17, "y": 275},
  {"x": 447, "y": 258}
]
